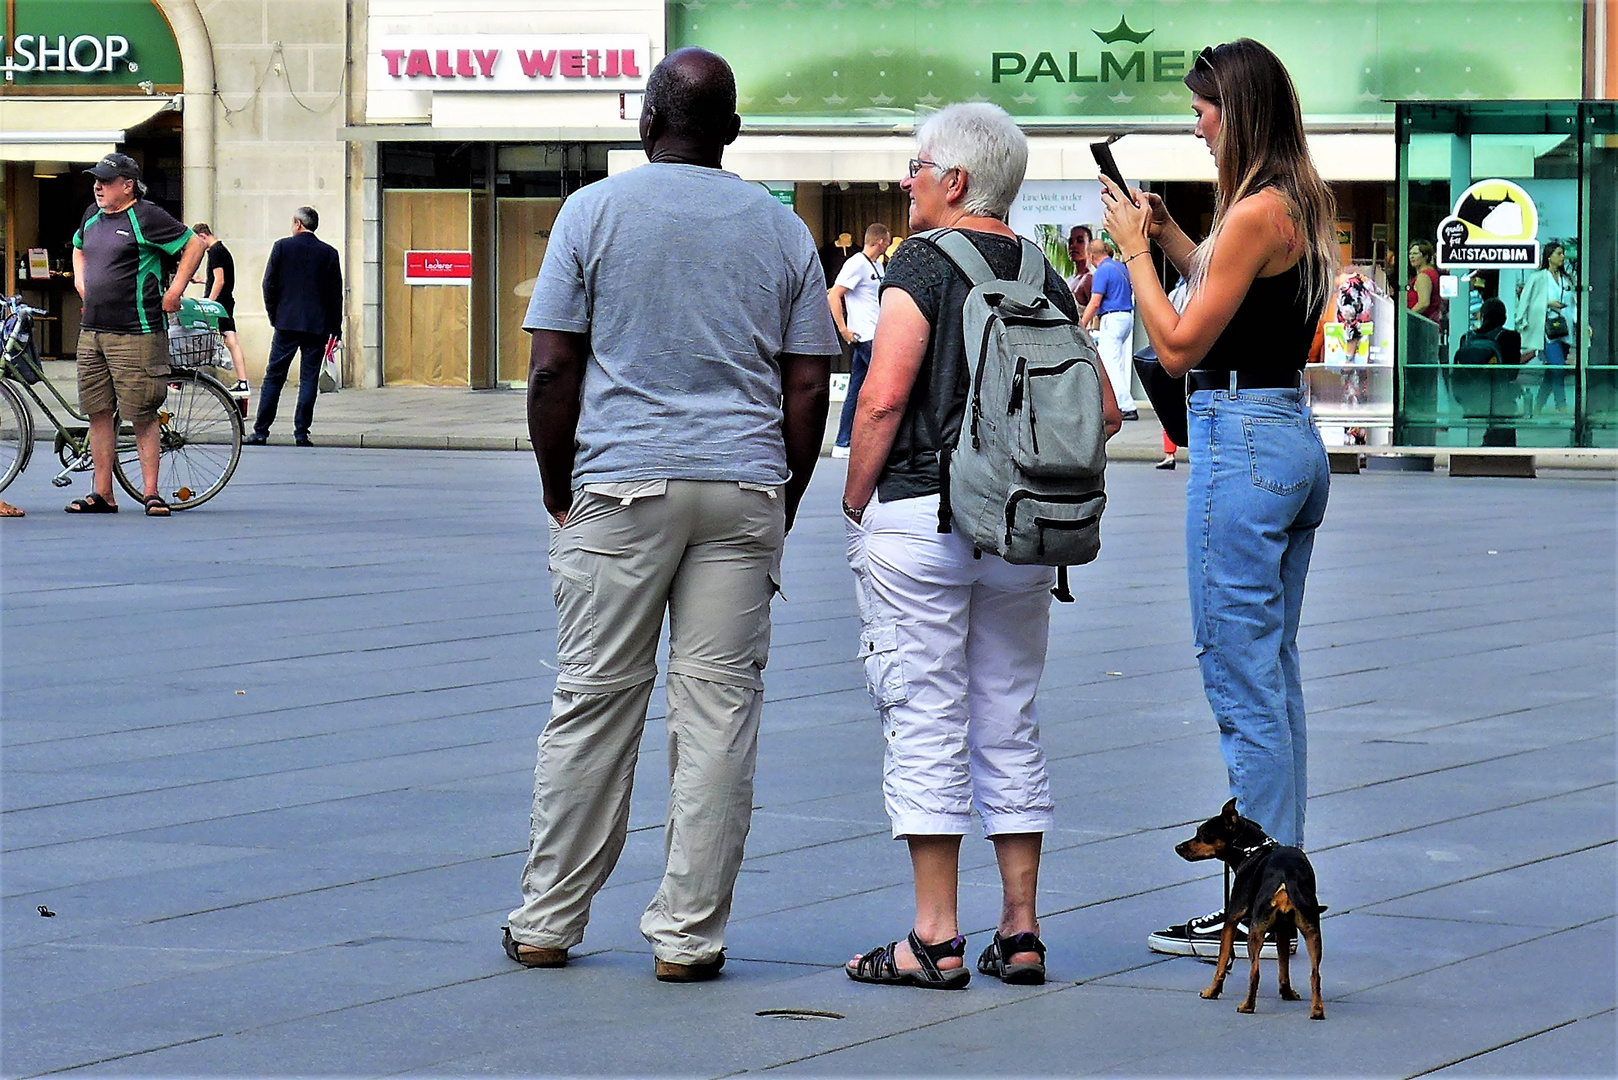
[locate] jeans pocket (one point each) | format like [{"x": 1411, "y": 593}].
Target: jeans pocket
[
  {"x": 574, "y": 593},
  {"x": 884, "y": 669},
  {"x": 1276, "y": 456}
]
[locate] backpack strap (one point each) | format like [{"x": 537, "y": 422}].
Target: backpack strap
[
  {"x": 1032, "y": 270},
  {"x": 963, "y": 253}
]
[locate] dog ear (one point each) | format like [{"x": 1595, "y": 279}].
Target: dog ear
[{"x": 1229, "y": 812}]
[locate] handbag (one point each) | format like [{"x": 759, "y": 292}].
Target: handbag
[
  {"x": 1167, "y": 395},
  {"x": 331, "y": 367},
  {"x": 1556, "y": 327}
]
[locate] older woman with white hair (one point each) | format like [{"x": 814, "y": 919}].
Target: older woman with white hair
[{"x": 954, "y": 640}]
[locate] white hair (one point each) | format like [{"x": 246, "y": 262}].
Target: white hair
[{"x": 985, "y": 143}]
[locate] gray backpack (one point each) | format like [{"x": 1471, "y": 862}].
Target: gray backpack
[{"x": 1025, "y": 478}]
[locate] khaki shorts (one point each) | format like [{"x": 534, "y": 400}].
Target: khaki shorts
[{"x": 128, "y": 372}]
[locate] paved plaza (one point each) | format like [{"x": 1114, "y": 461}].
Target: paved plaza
[{"x": 269, "y": 764}]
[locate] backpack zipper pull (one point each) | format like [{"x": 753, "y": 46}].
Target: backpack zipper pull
[{"x": 1015, "y": 402}]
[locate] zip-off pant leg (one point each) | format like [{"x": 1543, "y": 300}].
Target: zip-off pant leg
[{"x": 615, "y": 566}]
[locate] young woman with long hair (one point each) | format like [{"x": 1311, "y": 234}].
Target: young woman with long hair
[{"x": 1259, "y": 476}]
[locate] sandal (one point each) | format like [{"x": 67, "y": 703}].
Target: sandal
[
  {"x": 536, "y": 956},
  {"x": 93, "y": 503},
  {"x": 879, "y": 966},
  {"x": 7, "y": 510},
  {"x": 155, "y": 506},
  {"x": 993, "y": 961}
]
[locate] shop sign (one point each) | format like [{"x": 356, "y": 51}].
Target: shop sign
[
  {"x": 786, "y": 194},
  {"x": 1494, "y": 226},
  {"x": 76, "y": 44},
  {"x": 438, "y": 268},
  {"x": 1053, "y": 60},
  {"x": 500, "y": 62}
]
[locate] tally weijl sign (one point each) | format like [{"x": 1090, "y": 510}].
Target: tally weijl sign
[{"x": 497, "y": 62}]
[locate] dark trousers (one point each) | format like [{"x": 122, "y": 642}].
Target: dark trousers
[
  {"x": 860, "y": 364},
  {"x": 282, "y": 347}
]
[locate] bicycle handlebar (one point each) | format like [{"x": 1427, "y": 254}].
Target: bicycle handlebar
[{"x": 15, "y": 304}]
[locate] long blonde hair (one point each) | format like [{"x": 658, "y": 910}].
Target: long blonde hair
[{"x": 1261, "y": 144}]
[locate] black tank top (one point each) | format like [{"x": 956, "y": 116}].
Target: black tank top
[{"x": 1272, "y": 329}]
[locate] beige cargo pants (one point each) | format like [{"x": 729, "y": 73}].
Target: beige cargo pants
[{"x": 709, "y": 554}]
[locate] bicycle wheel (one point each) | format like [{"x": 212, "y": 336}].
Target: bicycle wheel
[
  {"x": 200, "y": 441},
  {"x": 16, "y": 435}
]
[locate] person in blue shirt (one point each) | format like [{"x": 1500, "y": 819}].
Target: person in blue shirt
[{"x": 1110, "y": 316}]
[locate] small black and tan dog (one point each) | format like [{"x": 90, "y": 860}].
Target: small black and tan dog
[{"x": 1274, "y": 890}]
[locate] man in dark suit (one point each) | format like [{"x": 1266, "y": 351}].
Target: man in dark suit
[{"x": 303, "y": 296}]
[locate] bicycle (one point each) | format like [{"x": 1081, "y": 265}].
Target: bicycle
[{"x": 200, "y": 425}]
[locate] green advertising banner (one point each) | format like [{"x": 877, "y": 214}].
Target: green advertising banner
[
  {"x": 87, "y": 45},
  {"x": 878, "y": 62}
]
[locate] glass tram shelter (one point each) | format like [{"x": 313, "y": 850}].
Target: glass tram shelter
[{"x": 1495, "y": 187}]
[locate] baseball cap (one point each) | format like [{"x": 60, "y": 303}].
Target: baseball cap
[{"x": 115, "y": 165}]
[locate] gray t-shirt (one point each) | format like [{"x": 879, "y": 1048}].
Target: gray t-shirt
[{"x": 691, "y": 283}]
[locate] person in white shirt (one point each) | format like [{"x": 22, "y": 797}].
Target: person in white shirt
[{"x": 858, "y": 289}]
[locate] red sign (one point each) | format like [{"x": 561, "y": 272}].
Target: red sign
[{"x": 438, "y": 268}]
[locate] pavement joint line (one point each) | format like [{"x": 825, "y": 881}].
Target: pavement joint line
[
  {"x": 266, "y": 712},
  {"x": 244, "y": 776},
  {"x": 1459, "y": 817},
  {"x": 1465, "y": 764},
  {"x": 1363, "y": 908},
  {"x": 125, "y": 1055},
  {"x": 1457, "y": 920},
  {"x": 230, "y": 1033},
  {"x": 1509, "y": 1042},
  {"x": 1558, "y": 931}
]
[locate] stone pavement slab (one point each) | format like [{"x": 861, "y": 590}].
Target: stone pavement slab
[{"x": 269, "y": 763}]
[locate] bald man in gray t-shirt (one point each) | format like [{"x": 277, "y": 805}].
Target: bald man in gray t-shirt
[{"x": 677, "y": 402}]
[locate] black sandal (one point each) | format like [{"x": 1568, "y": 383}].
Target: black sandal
[
  {"x": 93, "y": 503},
  {"x": 155, "y": 506},
  {"x": 879, "y": 966},
  {"x": 993, "y": 961}
]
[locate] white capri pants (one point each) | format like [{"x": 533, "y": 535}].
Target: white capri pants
[
  {"x": 954, "y": 648},
  {"x": 1113, "y": 340}
]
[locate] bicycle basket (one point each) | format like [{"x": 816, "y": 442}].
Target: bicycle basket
[{"x": 192, "y": 348}]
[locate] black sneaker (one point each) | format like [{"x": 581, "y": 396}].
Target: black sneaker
[{"x": 1200, "y": 938}]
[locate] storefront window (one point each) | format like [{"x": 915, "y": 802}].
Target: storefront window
[{"x": 1505, "y": 326}]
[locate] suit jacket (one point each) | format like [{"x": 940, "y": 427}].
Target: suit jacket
[{"x": 303, "y": 286}]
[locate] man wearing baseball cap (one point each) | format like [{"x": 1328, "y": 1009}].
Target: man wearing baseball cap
[{"x": 118, "y": 258}]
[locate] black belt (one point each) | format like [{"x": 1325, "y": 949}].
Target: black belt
[{"x": 1211, "y": 379}]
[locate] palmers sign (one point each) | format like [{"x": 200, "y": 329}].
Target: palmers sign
[{"x": 518, "y": 62}]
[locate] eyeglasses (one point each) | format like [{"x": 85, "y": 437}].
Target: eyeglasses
[
  {"x": 1205, "y": 59},
  {"x": 917, "y": 164}
]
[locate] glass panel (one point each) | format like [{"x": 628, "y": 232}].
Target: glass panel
[
  {"x": 1455, "y": 390},
  {"x": 1595, "y": 333}
]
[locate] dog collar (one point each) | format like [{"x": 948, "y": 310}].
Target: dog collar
[{"x": 1249, "y": 854}]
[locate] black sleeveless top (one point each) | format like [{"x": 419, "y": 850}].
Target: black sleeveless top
[{"x": 1272, "y": 329}]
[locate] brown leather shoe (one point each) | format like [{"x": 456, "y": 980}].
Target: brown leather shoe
[
  {"x": 669, "y": 971},
  {"x": 532, "y": 955}
]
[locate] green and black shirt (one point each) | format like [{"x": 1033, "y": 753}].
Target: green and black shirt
[{"x": 123, "y": 266}]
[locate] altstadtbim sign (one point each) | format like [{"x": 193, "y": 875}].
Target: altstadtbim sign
[
  {"x": 496, "y": 62},
  {"x": 70, "y": 46},
  {"x": 1494, "y": 226},
  {"x": 1051, "y": 61}
]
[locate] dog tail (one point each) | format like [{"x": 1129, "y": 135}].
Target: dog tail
[{"x": 1283, "y": 899}]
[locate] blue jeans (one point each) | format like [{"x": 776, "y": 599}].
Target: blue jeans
[
  {"x": 1257, "y": 492},
  {"x": 283, "y": 346},
  {"x": 856, "y": 379}
]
